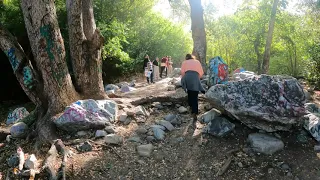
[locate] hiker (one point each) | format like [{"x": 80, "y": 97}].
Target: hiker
[
  {"x": 163, "y": 66},
  {"x": 191, "y": 72},
  {"x": 169, "y": 65},
  {"x": 147, "y": 67},
  {"x": 156, "y": 69}
]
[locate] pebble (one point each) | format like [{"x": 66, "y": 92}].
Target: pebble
[
  {"x": 170, "y": 117},
  {"x": 317, "y": 147},
  {"x": 182, "y": 110},
  {"x": 100, "y": 133},
  {"x": 135, "y": 139},
  {"x": 285, "y": 167},
  {"x": 150, "y": 138},
  {"x": 31, "y": 162},
  {"x": 141, "y": 130},
  {"x": 166, "y": 124},
  {"x": 85, "y": 147},
  {"x": 110, "y": 129},
  {"x": 270, "y": 170},
  {"x": 240, "y": 164},
  {"x": 113, "y": 139},
  {"x": 8, "y": 138},
  {"x": 158, "y": 133}
]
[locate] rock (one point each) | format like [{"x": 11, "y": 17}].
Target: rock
[
  {"x": 312, "y": 108},
  {"x": 110, "y": 129},
  {"x": 240, "y": 164},
  {"x": 84, "y": 147},
  {"x": 158, "y": 126},
  {"x": 317, "y": 148},
  {"x": 87, "y": 114},
  {"x": 178, "y": 140},
  {"x": 145, "y": 150},
  {"x": 171, "y": 88},
  {"x": 31, "y": 162},
  {"x": 140, "y": 110},
  {"x": 113, "y": 139},
  {"x": 158, "y": 133},
  {"x": 302, "y": 137},
  {"x": 219, "y": 126},
  {"x": 312, "y": 125},
  {"x": 135, "y": 139},
  {"x": 270, "y": 170},
  {"x": 17, "y": 115},
  {"x": 243, "y": 75},
  {"x": 265, "y": 144},
  {"x": 175, "y": 73},
  {"x": 285, "y": 167},
  {"x": 270, "y": 103},
  {"x": 208, "y": 116},
  {"x": 110, "y": 92},
  {"x": 130, "y": 112},
  {"x": 170, "y": 117},
  {"x": 123, "y": 118},
  {"x": 208, "y": 107},
  {"x": 81, "y": 133},
  {"x": 19, "y": 130},
  {"x": 100, "y": 133},
  {"x": 308, "y": 95},
  {"x": 13, "y": 161},
  {"x": 111, "y": 87},
  {"x": 150, "y": 138},
  {"x": 182, "y": 110},
  {"x": 178, "y": 105},
  {"x": 8, "y": 138},
  {"x": 132, "y": 83},
  {"x": 167, "y": 103},
  {"x": 166, "y": 124},
  {"x": 141, "y": 130},
  {"x": 127, "y": 88},
  {"x": 157, "y": 105}
]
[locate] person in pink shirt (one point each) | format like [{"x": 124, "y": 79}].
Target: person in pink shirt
[{"x": 191, "y": 72}]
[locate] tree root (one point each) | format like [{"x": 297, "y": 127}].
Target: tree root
[
  {"x": 49, "y": 165},
  {"x": 227, "y": 163},
  {"x": 152, "y": 99}
]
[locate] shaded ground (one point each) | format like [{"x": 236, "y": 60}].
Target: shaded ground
[{"x": 187, "y": 154}]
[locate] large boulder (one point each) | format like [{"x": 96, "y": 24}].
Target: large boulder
[
  {"x": 87, "y": 114},
  {"x": 16, "y": 115},
  {"x": 19, "y": 130},
  {"x": 270, "y": 103},
  {"x": 243, "y": 75},
  {"x": 175, "y": 73},
  {"x": 312, "y": 120}
]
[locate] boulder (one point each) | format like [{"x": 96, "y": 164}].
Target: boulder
[
  {"x": 127, "y": 88},
  {"x": 270, "y": 103},
  {"x": 87, "y": 114},
  {"x": 175, "y": 73},
  {"x": 243, "y": 75},
  {"x": 264, "y": 143},
  {"x": 312, "y": 120},
  {"x": 208, "y": 116},
  {"x": 166, "y": 124},
  {"x": 100, "y": 133},
  {"x": 219, "y": 126},
  {"x": 111, "y": 87},
  {"x": 145, "y": 150},
  {"x": 16, "y": 115},
  {"x": 19, "y": 130}
]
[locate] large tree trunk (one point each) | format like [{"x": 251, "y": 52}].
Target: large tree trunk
[
  {"x": 198, "y": 32},
  {"x": 85, "y": 47},
  {"x": 266, "y": 57}
]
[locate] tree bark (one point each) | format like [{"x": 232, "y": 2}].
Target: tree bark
[
  {"x": 266, "y": 57},
  {"x": 85, "y": 47},
  {"x": 198, "y": 32},
  {"x": 26, "y": 75}
]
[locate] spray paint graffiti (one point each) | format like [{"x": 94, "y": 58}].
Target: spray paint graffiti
[
  {"x": 17, "y": 115},
  {"x": 27, "y": 77},
  {"x": 13, "y": 60}
]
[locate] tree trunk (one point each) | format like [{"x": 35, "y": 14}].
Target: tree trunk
[
  {"x": 266, "y": 57},
  {"x": 85, "y": 47},
  {"x": 257, "y": 44},
  {"x": 198, "y": 32}
]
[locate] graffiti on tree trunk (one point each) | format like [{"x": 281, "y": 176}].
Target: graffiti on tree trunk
[
  {"x": 27, "y": 77},
  {"x": 13, "y": 59},
  {"x": 46, "y": 32}
]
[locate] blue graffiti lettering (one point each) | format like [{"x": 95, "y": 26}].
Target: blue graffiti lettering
[
  {"x": 27, "y": 77},
  {"x": 13, "y": 60}
]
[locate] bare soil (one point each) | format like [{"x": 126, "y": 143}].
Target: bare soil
[{"x": 185, "y": 153}]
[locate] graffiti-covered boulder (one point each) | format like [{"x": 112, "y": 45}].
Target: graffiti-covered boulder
[
  {"x": 87, "y": 114},
  {"x": 19, "y": 130},
  {"x": 265, "y": 102},
  {"x": 218, "y": 71},
  {"x": 16, "y": 115},
  {"x": 312, "y": 120}
]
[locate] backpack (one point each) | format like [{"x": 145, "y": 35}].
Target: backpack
[{"x": 218, "y": 71}]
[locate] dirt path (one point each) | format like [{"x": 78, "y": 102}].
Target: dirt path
[{"x": 186, "y": 153}]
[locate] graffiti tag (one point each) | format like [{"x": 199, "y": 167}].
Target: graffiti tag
[{"x": 13, "y": 60}]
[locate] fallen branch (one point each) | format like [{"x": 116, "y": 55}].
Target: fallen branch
[
  {"x": 107, "y": 146},
  {"x": 225, "y": 166}
]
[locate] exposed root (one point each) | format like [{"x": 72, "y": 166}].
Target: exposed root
[
  {"x": 49, "y": 165},
  {"x": 152, "y": 99}
]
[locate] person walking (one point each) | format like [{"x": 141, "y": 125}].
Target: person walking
[
  {"x": 156, "y": 69},
  {"x": 163, "y": 66},
  {"x": 148, "y": 69},
  {"x": 170, "y": 63},
  {"x": 191, "y": 72}
]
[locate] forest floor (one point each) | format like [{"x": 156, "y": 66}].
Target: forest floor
[{"x": 185, "y": 153}]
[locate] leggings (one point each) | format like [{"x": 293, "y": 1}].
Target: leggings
[
  {"x": 161, "y": 71},
  {"x": 193, "y": 101}
]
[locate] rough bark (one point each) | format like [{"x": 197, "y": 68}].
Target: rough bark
[
  {"x": 257, "y": 44},
  {"x": 85, "y": 48},
  {"x": 266, "y": 56},
  {"x": 27, "y": 76},
  {"x": 198, "y": 32}
]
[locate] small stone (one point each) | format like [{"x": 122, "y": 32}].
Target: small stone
[
  {"x": 13, "y": 161},
  {"x": 208, "y": 107},
  {"x": 113, "y": 139},
  {"x": 141, "y": 130},
  {"x": 150, "y": 138},
  {"x": 285, "y": 167},
  {"x": 270, "y": 170},
  {"x": 130, "y": 112},
  {"x": 110, "y": 129},
  {"x": 81, "y": 133},
  {"x": 178, "y": 105},
  {"x": 123, "y": 118},
  {"x": 157, "y": 105},
  {"x": 31, "y": 162},
  {"x": 8, "y": 138},
  {"x": 317, "y": 148},
  {"x": 166, "y": 124},
  {"x": 140, "y": 161},
  {"x": 145, "y": 150},
  {"x": 167, "y": 103},
  {"x": 240, "y": 164},
  {"x": 182, "y": 110},
  {"x": 135, "y": 139},
  {"x": 289, "y": 174},
  {"x": 100, "y": 133},
  {"x": 171, "y": 88},
  {"x": 170, "y": 117},
  {"x": 158, "y": 133},
  {"x": 85, "y": 147}
]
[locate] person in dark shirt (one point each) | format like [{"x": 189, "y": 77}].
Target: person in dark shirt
[
  {"x": 164, "y": 61},
  {"x": 156, "y": 69}
]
